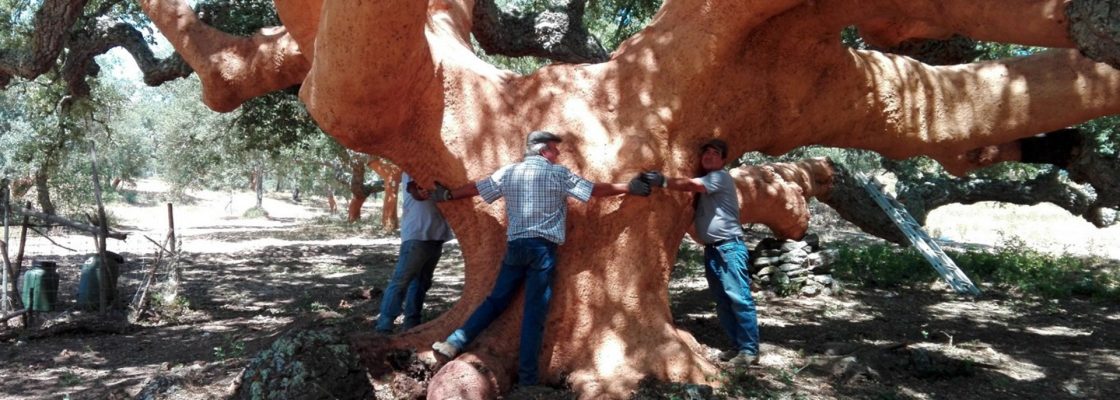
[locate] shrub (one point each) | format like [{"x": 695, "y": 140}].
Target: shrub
[
  {"x": 882, "y": 265},
  {"x": 1013, "y": 266}
]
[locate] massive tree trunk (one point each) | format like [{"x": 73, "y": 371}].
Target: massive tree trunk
[{"x": 398, "y": 79}]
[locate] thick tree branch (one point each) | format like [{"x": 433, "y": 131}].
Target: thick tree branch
[
  {"x": 232, "y": 69},
  {"x": 80, "y": 62},
  {"x": 1093, "y": 26},
  {"x": 946, "y": 111},
  {"x": 301, "y": 18},
  {"x": 1029, "y": 22},
  {"x": 922, "y": 193},
  {"x": 921, "y": 197},
  {"x": 557, "y": 34},
  {"x": 1102, "y": 172},
  {"x": 852, "y": 202},
  {"x": 777, "y": 194},
  {"x": 52, "y": 24}
]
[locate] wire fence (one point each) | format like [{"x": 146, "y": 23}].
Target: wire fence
[{"x": 69, "y": 251}]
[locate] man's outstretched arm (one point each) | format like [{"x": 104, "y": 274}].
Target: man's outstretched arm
[{"x": 656, "y": 179}]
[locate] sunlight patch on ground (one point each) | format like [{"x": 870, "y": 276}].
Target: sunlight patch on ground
[
  {"x": 771, "y": 356},
  {"x": 912, "y": 394},
  {"x": 211, "y": 247},
  {"x": 707, "y": 315},
  {"x": 978, "y": 311},
  {"x": 1058, "y": 331},
  {"x": 1020, "y": 370},
  {"x": 208, "y": 329}
]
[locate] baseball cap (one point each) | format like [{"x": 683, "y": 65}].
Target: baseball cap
[{"x": 716, "y": 144}]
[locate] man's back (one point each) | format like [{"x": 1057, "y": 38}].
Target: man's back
[{"x": 536, "y": 193}]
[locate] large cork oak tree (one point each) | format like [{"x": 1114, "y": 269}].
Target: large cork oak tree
[{"x": 399, "y": 79}]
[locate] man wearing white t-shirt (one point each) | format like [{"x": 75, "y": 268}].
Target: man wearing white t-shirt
[{"x": 423, "y": 232}]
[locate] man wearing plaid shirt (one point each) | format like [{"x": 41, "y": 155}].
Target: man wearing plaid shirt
[{"x": 536, "y": 192}]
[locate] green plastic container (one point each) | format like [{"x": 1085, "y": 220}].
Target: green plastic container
[
  {"x": 40, "y": 286},
  {"x": 89, "y": 284}
]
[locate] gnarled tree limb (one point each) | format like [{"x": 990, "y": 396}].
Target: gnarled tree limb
[
  {"x": 557, "y": 34},
  {"x": 52, "y": 24},
  {"x": 80, "y": 62},
  {"x": 232, "y": 69}
]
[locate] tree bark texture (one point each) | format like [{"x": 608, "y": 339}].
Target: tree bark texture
[{"x": 398, "y": 79}]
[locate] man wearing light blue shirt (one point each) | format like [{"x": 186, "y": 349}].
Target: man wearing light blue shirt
[
  {"x": 536, "y": 192},
  {"x": 423, "y": 232}
]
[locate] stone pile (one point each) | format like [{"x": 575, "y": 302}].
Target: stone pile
[{"x": 794, "y": 267}]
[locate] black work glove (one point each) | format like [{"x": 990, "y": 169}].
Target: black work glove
[
  {"x": 638, "y": 187},
  {"x": 654, "y": 178},
  {"x": 440, "y": 193}
]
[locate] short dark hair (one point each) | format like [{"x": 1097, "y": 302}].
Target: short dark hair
[{"x": 716, "y": 144}]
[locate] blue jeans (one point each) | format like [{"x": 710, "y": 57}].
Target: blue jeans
[
  {"x": 531, "y": 261},
  {"x": 415, "y": 267},
  {"x": 725, "y": 266}
]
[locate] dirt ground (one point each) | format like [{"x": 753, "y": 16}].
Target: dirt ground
[{"x": 246, "y": 281}]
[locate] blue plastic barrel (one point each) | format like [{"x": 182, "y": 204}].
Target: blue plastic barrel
[{"x": 89, "y": 284}]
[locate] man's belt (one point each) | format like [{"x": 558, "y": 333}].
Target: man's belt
[{"x": 726, "y": 241}]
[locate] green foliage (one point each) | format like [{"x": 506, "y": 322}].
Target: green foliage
[
  {"x": 852, "y": 159},
  {"x": 740, "y": 383},
  {"x": 255, "y": 212},
  {"x": 239, "y": 17},
  {"x": 49, "y": 134},
  {"x": 168, "y": 309},
  {"x": 1019, "y": 266},
  {"x": 996, "y": 51},
  {"x": 1013, "y": 265},
  {"x": 273, "y": 123},
  {"x": 690, "y": 262},
  {"x": 16, "y": 25},
  {"x": 17, "y": 20},
  {"x": 231, "y": 349},
  {"x": 610, "y": 21},
  {"x": 1104, "y": 134},
  {"x": 850, "y": 37},
  {"x": 652, "y": 389},
  {"x": 882, "y": 265},
  {"x": 68, "y": 378},
  {"x": 614, "y": 21},
  {"x": 306, "y": 364}
]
